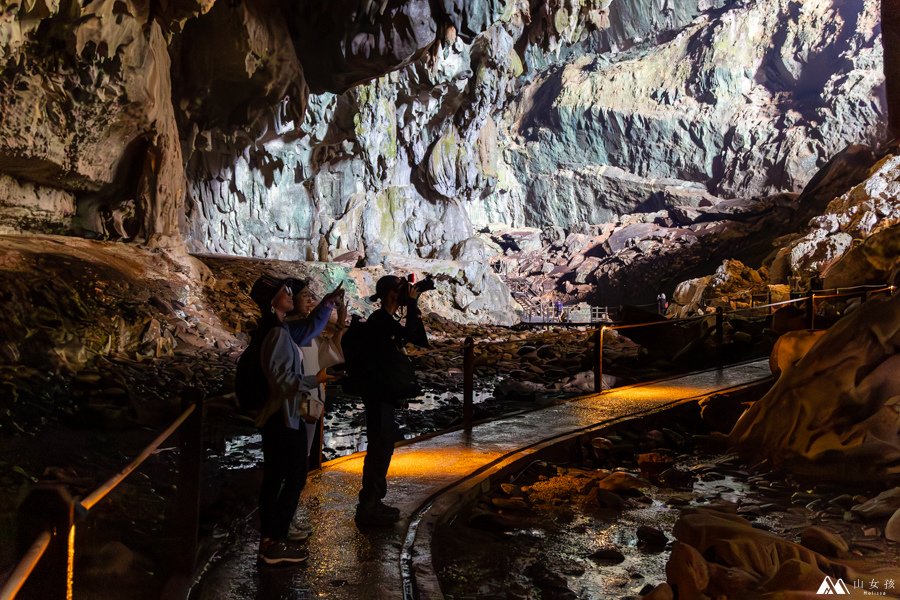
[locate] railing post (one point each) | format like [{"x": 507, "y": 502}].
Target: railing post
[
  {"x": 468, "y": 381},
  {"x": 49, "y": 507},
  {"x": 720, "y": 334},
  {"x": 190, "y": 458},
  {"x": 598, "y": 360},
  {"x": 320, "y": 454},
  {"x": 810, "y": 310}
]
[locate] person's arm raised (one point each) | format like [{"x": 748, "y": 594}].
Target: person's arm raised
[
  {"x": 302, "y": 332},
  {"x": 414, "y": 328}
]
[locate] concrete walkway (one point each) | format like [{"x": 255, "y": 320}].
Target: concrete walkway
[{"x": 347, "y": 564}]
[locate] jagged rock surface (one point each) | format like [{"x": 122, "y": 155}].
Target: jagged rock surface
[
  {"x": 87, "y": 109},
  {"x": 748, "y": 101},
  {"x": 843, "y": 226},
  {"x": 312, "y": 132},
  {"x": 861, "y": 226}
]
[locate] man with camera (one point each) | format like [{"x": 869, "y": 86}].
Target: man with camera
[{"x": 390, "y": 381}]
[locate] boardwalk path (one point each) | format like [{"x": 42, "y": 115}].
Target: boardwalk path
[{"x": 347, "y": 564}]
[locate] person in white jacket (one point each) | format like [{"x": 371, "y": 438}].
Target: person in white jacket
[{"x": 322, "y": 351}]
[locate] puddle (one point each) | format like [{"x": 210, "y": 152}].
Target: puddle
[{"x": 345, "y": 431}]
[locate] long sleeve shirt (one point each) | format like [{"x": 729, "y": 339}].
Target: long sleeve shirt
[
  {"x": 385, "y": 337},
  {"x": 289, "y": 383},
  {"x": 388, "y": 335}
]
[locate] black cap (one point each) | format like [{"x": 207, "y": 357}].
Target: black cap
[
  {"x": 265, "y": 288},
  {"x": 385, "y": 285}
]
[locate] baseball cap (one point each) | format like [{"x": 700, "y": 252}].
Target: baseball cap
[{"x": 385, "y": 285}]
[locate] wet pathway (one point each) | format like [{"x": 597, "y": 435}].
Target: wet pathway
[{"x": 347, "y": 564}]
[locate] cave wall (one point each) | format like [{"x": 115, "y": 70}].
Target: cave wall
[
  {"x": 385, "y": 167},
  {"x": 643, "y": 108},
  {"x": 373, "y": 130},
  {"x": 744, "y": 102},
  {"x": 86, "y": 107}
]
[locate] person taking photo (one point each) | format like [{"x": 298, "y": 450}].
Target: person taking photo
[{"x": 390, "y": 381}]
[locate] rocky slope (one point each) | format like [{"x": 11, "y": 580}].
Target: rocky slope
[{"x": 843, "y": 227}]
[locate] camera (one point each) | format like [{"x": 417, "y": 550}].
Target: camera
[
  {"x": 422, "y": 286},
  {"x": 426, "y": 285}
]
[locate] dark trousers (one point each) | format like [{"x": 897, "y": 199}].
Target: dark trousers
[
  {"x": 284, "y": 475},
  {"x": 381, "y": 433}
]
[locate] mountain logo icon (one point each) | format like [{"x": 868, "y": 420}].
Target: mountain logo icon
[{"x": 830, "y": 586}]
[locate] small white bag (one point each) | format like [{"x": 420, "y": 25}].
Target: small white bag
[{"x": 311, "y": 408}]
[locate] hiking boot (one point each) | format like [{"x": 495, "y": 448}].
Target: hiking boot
[
  {"x": 281, "y": 553},
  {"x": 299, "y": 533},
  {"x": 371, "y": 515},
  {"x": 387, "y": 509}
]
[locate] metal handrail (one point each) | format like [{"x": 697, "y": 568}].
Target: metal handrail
[
  {"x": 888, "y": 288},
  {"x": 26, "y": 565},
  {"x": 38, "y": 548},
  {"x": 97, "y": 495}
]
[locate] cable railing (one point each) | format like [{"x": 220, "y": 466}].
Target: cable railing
[
  {"x": 53, "y": 515},
  {"x": 469, "y": 346}
]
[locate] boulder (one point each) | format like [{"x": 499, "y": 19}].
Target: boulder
[
  {"x": 881, "y": 506},
  {"x": 835, "y": 409},
  {"x": 824, "y": 542}
]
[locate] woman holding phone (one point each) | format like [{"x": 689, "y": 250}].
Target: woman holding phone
[{"x": 288, "y": 407}]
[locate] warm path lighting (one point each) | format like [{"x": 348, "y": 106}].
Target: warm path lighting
[
  {"x": 453, "y": 462},
  {"x": 70, "y": 568}
]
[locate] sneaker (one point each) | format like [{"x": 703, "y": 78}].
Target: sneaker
[
  {"x": 299, "y": 533},
  {"x": 279, "y": 553},
  {"x": 372, "y": 516}
]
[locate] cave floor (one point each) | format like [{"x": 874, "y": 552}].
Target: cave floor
[{"x": 347, "y": 563}]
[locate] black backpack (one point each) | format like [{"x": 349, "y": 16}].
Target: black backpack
[
  {"x": 353, "y": 345},
  {"x": 250, "y": 385},
  {"x": 390, "y": 376}
]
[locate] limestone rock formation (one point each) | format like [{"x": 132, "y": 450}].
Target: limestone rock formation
[
  {"x": 837, "y": 408},
  {"x": 746, "y": 101},
  {"x": 864, "y": 220},
  {"x": 87, "y": 109},
  {"x": 303, "y": 131}
]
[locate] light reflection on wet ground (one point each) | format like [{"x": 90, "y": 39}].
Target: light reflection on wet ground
[
  {"x": 565, "y": 547},
  {"x": 641, "y": 567},
  {"x": 345, "y": 431}
]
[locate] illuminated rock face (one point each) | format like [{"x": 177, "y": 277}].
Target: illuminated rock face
[
  {"x": 748, "y": 102},
  {"x": 309, "y": 130},
  {"x": 835, "y": 414},
  {"x": 856, "y": 238},
  {"x": 596, "y": 137},
  {"x": 87, "y": 108}
]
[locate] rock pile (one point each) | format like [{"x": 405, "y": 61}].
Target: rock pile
[
  {"x": 633, "y": 258},
  {"x": 646, "y": 504}
]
